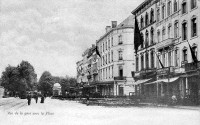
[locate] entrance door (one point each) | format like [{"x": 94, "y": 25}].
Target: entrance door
[
  {"x": 194, "y": 92},
  {"x": 121, "y": 91}
]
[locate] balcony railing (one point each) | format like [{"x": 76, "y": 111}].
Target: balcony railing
[
  {"x": 165, "y": 43},
  {"x": 120, "y": 78}
]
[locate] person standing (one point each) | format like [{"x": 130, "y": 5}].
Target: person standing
[
  {"x": 36, "y": 97},
  {"x": 42, "y": 99},
  {"x": 29, "y": 98}
]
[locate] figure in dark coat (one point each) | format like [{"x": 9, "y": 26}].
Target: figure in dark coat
[
  {"x": 29, "y": 98},
  {"x": 36, "y": 97},
  {"x": 42, "y": 99}
]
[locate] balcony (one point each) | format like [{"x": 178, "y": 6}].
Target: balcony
[
  {"x": 120, "y": 78},
  {"x": 164, "y": 43}
]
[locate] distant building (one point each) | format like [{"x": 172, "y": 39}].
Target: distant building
[{"x": 57, "y": 89}]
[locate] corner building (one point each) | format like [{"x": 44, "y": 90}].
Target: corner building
[
  {"x": 176, "y": 27},
  {"x": 116, "y": 62}
]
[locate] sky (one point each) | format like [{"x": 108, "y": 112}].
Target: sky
[{"x": 53, "y": 34}]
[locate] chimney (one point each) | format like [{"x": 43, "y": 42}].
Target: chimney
[
  {"x": 114, "y": 24},
  {"x": 108, "y": 28}
]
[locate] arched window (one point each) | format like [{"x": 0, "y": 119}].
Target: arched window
[
  {"x": 184, "y": 7},
  {"x": 152, "y": 16},
  {"x": 142, "y": 40},
  {"x": 169, "y": 30},
  {"x": 142, "y": 62},
  {"x": 147, "y": 38},
  {"x": 194, "y": 26},
  {"x": 163, "y": 33},
  {"x": 176, "y": 29},
  {"x": 146, "y": 19},
  {"x": 184, "y": 30},
  {"x": 137, "y": 63},
  {"x": 158, "y": 35},
  {"x": 194, "y": 48},
  {"x": 152, "y": 59},
  {"x": 169, "y": 4},
  {"x": 147, "y": 60},
  {"x": 193, "y": 4},
  {"x": 163, "y": 11},
  {"x": 152, "y": 35},
  {"x": 175, "y": 5},
  {"x": 185, "y": 53},
  {"x": 141, "y": 22},
  {"x": 158, "y": 15}
]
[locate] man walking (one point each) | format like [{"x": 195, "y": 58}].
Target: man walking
[{"x": 29, "y": 98}]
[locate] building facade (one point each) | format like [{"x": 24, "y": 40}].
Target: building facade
[
  {"x": 117, "y": 59},
  {"x": 175, "y": 28}
]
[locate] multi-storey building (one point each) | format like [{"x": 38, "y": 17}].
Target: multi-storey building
[
  {"x": 116, "y": 61},
  {"x": 175, "y": 28}
]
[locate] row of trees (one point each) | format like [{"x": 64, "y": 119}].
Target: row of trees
[
  {"x": 23, "y": 78},
  {"x": 47, "y": 81}
]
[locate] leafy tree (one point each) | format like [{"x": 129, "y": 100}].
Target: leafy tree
[
  {"x": 46, "y": 83},
  {"x": 20, "y": 78}
]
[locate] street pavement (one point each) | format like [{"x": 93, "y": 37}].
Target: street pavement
[{"x": 15, "y": 111}]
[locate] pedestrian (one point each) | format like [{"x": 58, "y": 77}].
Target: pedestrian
[
  {"x": 42, "y": 99},
  {"x": 29, "y": 98},
  {"x": 36, "y": 97},
  {"x": 88, "y": 99}
]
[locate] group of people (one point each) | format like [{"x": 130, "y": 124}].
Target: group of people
[{"x": 36, "y": 96}]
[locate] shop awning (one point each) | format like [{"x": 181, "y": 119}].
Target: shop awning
[
  {"x": 164, "y": 80},
  {"x": 139, "y": 82}
]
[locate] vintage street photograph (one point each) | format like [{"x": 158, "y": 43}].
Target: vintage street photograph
[{"x": 99, "y": 62}]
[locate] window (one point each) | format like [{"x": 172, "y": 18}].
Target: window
[
  {"x": 137, "y": 63},
  {"x": 147, "y": 39},
  {"x": 158, "y": 15},
  {"x": 195, "y": 50},
  {"x": 152, "y": 16},
  {"x": 112, "y": 55},
  {"x": 120, "y": 71},
  {"x": 152, "y": 59},
  {"x": 176, "y": 30},
  {"x": 169, "y": 31},
  {"x": 112, "y": 41},
  {"x": 158, "y": 36},
  {"x": 194, "y": 27},
  {"x": 109, "y": 57},
  {"x": 170, "y": 58},
  {"x": 147, "y": 61},
  {"x": 108, "y": 43},
  {"x": 175, "y": 5},
  {"x": 184, "y": 30},
  {"x": 176, "y": 57},
  {"x": 103, "y": 47},
  {"x": 106, "y": 59},
  {"x": 142, "y": 62},
  {"x": 106, "y": 46},
  {"x": 146, "y": 19},
  {"x": 169, "y": 8},
  {"x": 163, "y": 11},
  {"x": 142, "y": 40},
  {"x": 193, "y": 4},
  {"x": 152, "y": 35},
  {"x": 184, "y": 7},
  {"x": 185, "y": 55},
  {"x": 112, "y": 71},
  {"x": 163, "y": 59},
  {"x": 120, "y": 39},
  {"x": 142, "y": 22},
  {"x": 120, "y": 55},
  {"x": 158, "y": 62},
  {"x": 163, "y": 33}
]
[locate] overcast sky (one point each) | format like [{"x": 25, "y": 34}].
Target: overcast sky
[{"x": 52, "y": 34}]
